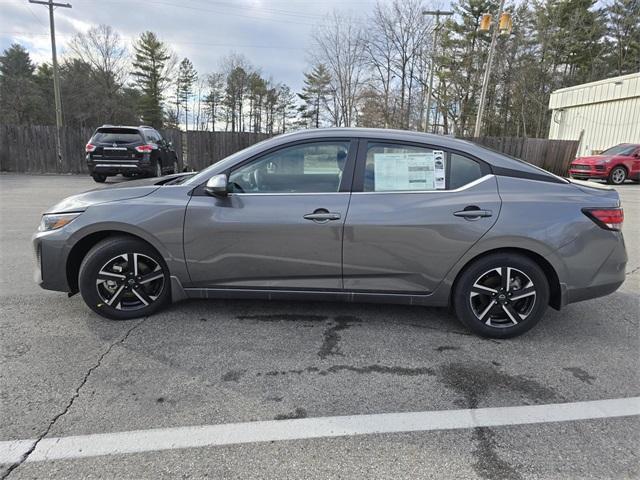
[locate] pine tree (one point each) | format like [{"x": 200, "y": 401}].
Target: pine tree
[
  {"x": 213, "y": 100},
  {"x": 18, "y": 94},
  {"x": 624, "y": 30},
  {"x": 152, "y": 65},
  {"x": 314, "y": 94},
  {"x": 187, "y": 77}
]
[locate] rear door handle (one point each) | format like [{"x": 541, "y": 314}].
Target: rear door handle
[
  {"x": 322, "y": 216},
  {"x": 473, "y": 213}
]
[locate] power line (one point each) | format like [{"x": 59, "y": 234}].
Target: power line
[{"x": 177, "y": 42}]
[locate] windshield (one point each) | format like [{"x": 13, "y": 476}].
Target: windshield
[
  {"x": 117, "y": 135},
  {"x": 623, "y": 149}
]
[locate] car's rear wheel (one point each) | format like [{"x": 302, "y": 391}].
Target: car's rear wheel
[
  {"x": 122, "y": 278},
  {"x": 501, "y": 295},
  {"x": 99, "y": 178},
  {"x": 617, "y": 176}
]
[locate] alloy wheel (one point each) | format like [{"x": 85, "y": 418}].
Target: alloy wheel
[
  {"x": 618, "y": 176},
  {"x": 502, "y": 297},
  {"x": 130, "y": 281}
]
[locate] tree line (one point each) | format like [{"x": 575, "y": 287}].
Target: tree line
[
  {"x": 102, "y": 83},
  {"x": 375, "y": 73},
  {"x": 371, "y": 71}
]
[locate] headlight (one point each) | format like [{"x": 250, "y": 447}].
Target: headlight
[{"x": 54, "y": 221}]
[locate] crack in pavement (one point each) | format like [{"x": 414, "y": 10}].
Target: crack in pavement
[
  {"x": 633, "y": 271},
  {"x": 73, "y": 398}
]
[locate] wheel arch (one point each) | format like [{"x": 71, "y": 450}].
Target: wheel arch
[
  {"x": 86, "y": 243},
  {"x": 555, "y": 289}
]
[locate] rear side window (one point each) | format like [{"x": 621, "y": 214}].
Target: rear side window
[
  {"x": 393, "y": 167},
  {"x": 117, "y": 135},
  {"x": 152, "y": 135}
]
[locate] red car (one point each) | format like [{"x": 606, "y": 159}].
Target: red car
[{"x": 615, "y": 165}]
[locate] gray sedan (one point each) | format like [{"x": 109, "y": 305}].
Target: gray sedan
[{"x": 355, "y": 215}]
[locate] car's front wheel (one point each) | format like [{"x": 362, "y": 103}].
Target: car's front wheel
[
  {"x": 122, "y": 278},
  {"x": 617, "y": 176},
  {"x": 99, "y": 178},
  {"x": 501, "y": 296}
]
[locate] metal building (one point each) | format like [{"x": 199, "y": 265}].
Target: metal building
[{"x": 599, "y": 114}]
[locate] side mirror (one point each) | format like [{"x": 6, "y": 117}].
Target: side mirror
[{"x": 217, "y": 186}]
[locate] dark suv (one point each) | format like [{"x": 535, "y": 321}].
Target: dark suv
[{"x": 130, "y": 151}]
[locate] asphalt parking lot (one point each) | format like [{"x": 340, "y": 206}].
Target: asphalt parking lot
[{"x": 66, "y": 372}]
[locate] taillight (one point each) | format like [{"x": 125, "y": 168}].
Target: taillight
[
  {"x": 89, "y": 148},
  {"x": 144, "y": 148},
  {"x": 607, "y": 218}
]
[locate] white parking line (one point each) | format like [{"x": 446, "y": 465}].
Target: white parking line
[{"x": 137, "y": 441}]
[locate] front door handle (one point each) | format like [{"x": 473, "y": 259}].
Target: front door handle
[
  {"x": 472, "y": 212},
  {"x": 322, "y": 216}
]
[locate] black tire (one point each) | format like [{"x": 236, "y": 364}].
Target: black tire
[
  {"x": 505, "y": 317},
  {"x": 99, "y": 178},
  {"x": 138, "y": 296},
  {"x": 617, "y": 175}
]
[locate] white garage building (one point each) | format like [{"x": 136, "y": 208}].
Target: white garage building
[{"x": 600, "y": 114}]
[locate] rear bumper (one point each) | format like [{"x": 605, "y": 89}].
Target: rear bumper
[
  {"x": 593, "y": 277},
  {"x": 114, "y": 166}
]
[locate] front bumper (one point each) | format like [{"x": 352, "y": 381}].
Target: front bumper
[
  {"x": 51, "y": 252},
  {"x": 585, "y": 173}
]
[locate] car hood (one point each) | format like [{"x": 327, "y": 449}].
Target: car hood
[
  {"x": 593, "y": 159},
  {"x": 119, "y": 191}
]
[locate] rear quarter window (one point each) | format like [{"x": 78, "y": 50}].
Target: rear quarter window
[
  {"x": 117, "y": 135},
  {"x": 463, "y": 170}
]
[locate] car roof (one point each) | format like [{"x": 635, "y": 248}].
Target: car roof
[
  {"x": 490, "y": 156},
  {"x": 131, "y": 127}
]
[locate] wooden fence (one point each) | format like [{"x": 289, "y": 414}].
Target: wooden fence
[
  {"x": 205, "y": 148},
  {"x": 32, "y": 149},
  {"x": 552, "y": 155}
]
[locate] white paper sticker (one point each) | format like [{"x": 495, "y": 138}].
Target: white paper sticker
[
  {"x": 439, "y": 170},
  {"x": 409, "y": 171}
]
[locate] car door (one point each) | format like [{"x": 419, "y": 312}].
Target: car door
[
  {"x": 281, "y": 225},
  {"x": 415, "y": 210}
]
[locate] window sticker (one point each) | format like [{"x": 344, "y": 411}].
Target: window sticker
[
  {"x": 409, "y": 171},
  {"x": 439, "y": 170}
]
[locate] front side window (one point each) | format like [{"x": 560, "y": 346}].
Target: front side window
[
  {"x": 305, "y": 168},
  {"x": 391, "y": 167}
]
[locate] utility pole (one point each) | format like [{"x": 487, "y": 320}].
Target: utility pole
[
  {"x": 487, "y": 75},
  {"x": 434, "y": 48},
  {"x": 56, "y": 75}
]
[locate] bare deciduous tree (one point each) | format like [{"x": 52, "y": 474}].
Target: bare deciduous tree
[{"x": 340, "y": 46}]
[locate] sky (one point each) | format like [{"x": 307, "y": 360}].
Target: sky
[{"x": 273, "y": 34}]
